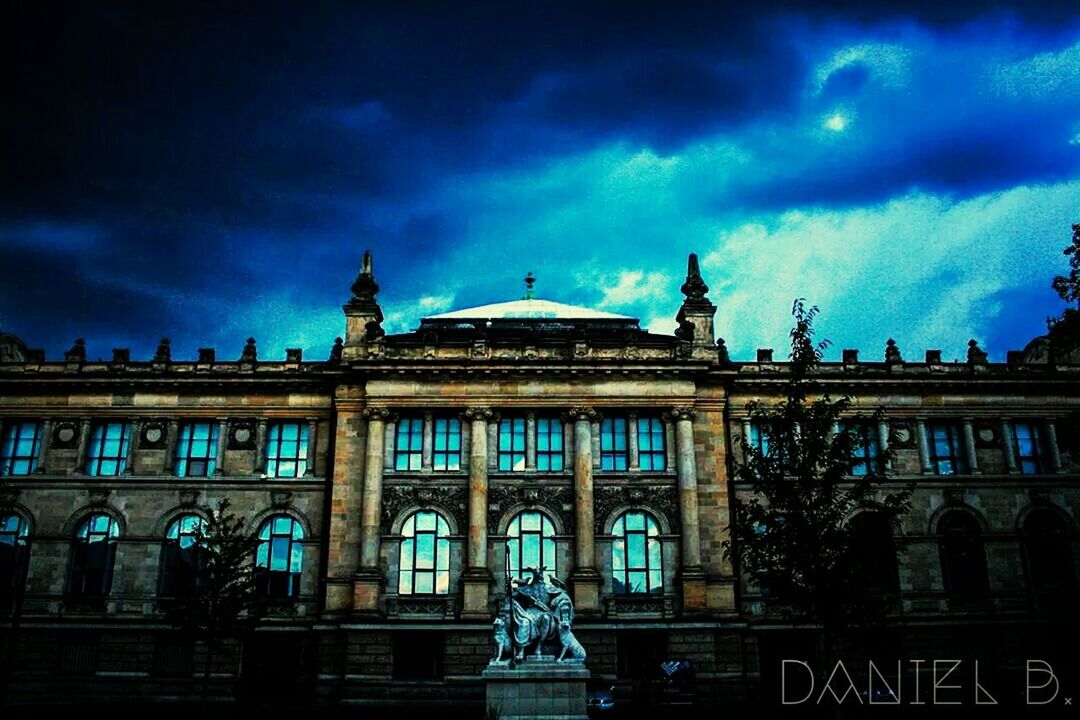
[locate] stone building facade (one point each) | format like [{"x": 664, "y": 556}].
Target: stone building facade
[{"x": 395, "y": 484}]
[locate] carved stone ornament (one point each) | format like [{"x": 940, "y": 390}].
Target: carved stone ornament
[
  {"x": 154, "y": 436},
  {"x": 479, "y": 413},
  {"x": 281, "y": 498},
  {"x": 12, "y": 349},
  {"x": 242, "y": 435},
  {"x": 377, "y": 413},
  {"x": 583, "y": 413},
  {"x": 557, "y": 500},
  {"x": 682, "y": 413},
  {"x": 608, "y": 498},
  {"x": 65, "y": 435},
  {"x": 396, "y": 498},
  {"x": 986, "y": 436},
  {"x": 99, "y": 497},
  {"x": 901, "y": 435},
  {"x": 188, "y": 497}
]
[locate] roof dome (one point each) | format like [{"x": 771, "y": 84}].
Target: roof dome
[{"x": 529, "y": 309}]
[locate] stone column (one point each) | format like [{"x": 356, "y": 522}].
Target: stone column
[
  {"x": 133, "y": 444},
  {"x": 219, "y": 451},
  {"x": 1053, "y": 448},
  {"x": 1007, "y": 446},
  {"x": 171, "y": 439},
  {"x": 368, "y": 579},
  {"x": 883, "y": 442},
  {"x": 584, "y": 579},
  {"x": 476, "y": 578},
  {"x": 746, "y": 437},
  {"x": 427, "y": 443},
  {"x": 43, "y": 448},
  {"x": 389, "y": 443},
  {"x": 491, "y": 431},
  {"x": 969, "y": 447},
  {"x": 84, "y": 439},
  {"x": 530, "y": 442},
  {"x": 694, "y": 590},
  {"x": 632, "y": 442},
  {"x": 313, "y": 426},
  {"x": 923, "y": 441},
  {"x": 260, "y": 446},
  {"x": 349, "y": 429},
  {"x": 594, "y": 442}
]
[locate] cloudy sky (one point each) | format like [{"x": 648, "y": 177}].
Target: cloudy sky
[{"x": 209, "y": 174}]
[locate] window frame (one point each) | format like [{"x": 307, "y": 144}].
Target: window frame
[
  {"x": 440, "y": 548},
  {"x": 13, "y": 568},
  {"x": 184, "y": 456},
  {"x": 957, "y": 547},
  {"x": 546, "y": 546},
  {"x": 266, "y": 577},
  {"x": 179, "y": 565},
  {"x": 82, "y": 543},
  {"x": 550, "y": 433},
  {"x": 13, "y": 437},
  {"x": 655, "y": 429},
  {"x": 445, "y": 431},
  {"x": 1033, "y": 463},
  {"x": 865, "y": 448},
  {"x": 954, "y": 435},
  {"x": 411, "y": 428},
  {"x": 512, "y": 444},
  {"x": 621, "y": 543},
  {"x": 614, "y": 458},
  {"x": 96, "y": 444},
  {"x": 273, "y": 456}
]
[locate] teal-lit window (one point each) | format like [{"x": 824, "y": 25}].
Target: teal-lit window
[
  {"x": 180, "y": 556},
  {"x": 865, "y": 448},
  {"x": 549, "y": 445},
  {"x": 512, "y": 445},
  {"x": 196, "y": 450},
  {"x": 946, "y": 448},
  {"x": 93, "y": 555},
  {"x": 651, "y": 450},
  {"x": 424, "y": 559},
  {"x": 409, "y": 444},
  {"x": 20, "y": 447},
  {"x": 636, "y": 556},
  {"x": 279, "y": 558},
  {"x": 1028, "y": 447},
  {"x": 530, "y": 543},
  {"x": 286, "y": 449},
  {"x": 613, "y": 447},
  {"x": 107, "y": 453},
  {"x": 14, "y": 553},
  {"x": 447, "y": 438}
]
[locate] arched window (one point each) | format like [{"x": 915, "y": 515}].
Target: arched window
[
  {"x": 530, "y": 543},
  {"x": 93, "y": 554},
  {"x": 14, "y": 553},
  {"x": 963, "y": 557},
  {"x": 874, "y": 552},
  {"x": 1048, "y": 558},
  {"x": 424, "y": 567},
  {"x": 279, "y": 558},
  {"x": 636, "y": 564},
  {"x": 180, "y": 556}
]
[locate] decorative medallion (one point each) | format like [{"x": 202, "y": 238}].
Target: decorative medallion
[
  {"x": 65, "y": 435},
  {"x": 901, "y": 435},
  {"x": 986, "y": 436},
  {"x": 154, "y": 435},
  {"x": 242, "y": 435}
]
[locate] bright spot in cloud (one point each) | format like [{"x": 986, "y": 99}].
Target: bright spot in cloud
[{"x": 836, "y": 122}]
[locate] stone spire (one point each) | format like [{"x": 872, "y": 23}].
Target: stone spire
[
  {"x": 363, "y": 316},
  {"x": 695, "y": 316}
]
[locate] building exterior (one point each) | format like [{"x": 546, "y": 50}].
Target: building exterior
[{"x": 393, "y": 484}]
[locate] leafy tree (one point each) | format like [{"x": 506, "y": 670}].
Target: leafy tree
[
  {"x": 796, "y": 534},
  {"x": 221, "y": 602},
  {"x": 1065, "y": 330}
]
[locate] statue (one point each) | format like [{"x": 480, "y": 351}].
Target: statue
[{"x": 536, "y": 612}]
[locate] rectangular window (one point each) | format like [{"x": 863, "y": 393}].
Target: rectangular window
[
  {"x": 865, "y": 448},
  {"x": 613, "y": 449},
  {"x": 549, "y": 445},
  {"x": 447, "y": 454},
  {"x": 409, "y": 444},
  {"x": 651, "y": 451},
  {"x": 20, "y": 446},
  {"x": 512, "y": 445},
  {"x": 196, "y": 450},
  {"x": 1028, "y": 447},
  {"x": 286, "y": 449},
  {"x": 107, "y": 454},
  {"x": 946, "y": 448}
]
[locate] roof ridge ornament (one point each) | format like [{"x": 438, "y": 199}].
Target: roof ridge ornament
[
  {"x": 530, "y": 281},
  {"x": 694, "y": 288}
]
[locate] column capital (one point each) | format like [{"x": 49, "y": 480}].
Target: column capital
[
  {"x": 480, "y": 412},
  {"x": 377, "y": 413},
  {"x": 583, "y": 413},
  {"x": 682, "y": 413}
]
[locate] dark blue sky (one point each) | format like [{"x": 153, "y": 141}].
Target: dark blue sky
[{"x": 210, "y": 174}]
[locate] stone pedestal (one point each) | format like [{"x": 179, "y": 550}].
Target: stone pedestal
[{"x": 537, "y": 689}]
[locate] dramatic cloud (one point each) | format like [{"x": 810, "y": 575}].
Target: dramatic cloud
[{"x": 211, "y": 174}]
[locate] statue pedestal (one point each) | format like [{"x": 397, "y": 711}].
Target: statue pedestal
[{"x": 537, "y": 689}]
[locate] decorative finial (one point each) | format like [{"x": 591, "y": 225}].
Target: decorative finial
[
  {"x": 694, "y": 288},
  {"x": 77, "y": 353},
  {"x": 335, "y": 351},
  {"x": 364, "y": 287},
  {"x": 530, "y": 280},
  {"x": 250, "y": 354},
  {"x": 892, "y": 353}
]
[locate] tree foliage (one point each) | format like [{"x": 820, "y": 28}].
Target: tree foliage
[
  {"x": 1065, "y": 330},
  {"x": 793, "y": 534}
]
